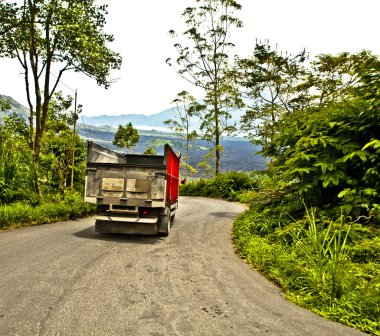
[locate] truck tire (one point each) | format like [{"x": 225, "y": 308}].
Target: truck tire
[{"x": 165, "y": 223}]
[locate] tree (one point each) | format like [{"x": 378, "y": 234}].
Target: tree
[
  {"x": 54, "y": 36},
  {"x": 330, "y": 151},
  {"x": 56, "y": 161},
  {"x": 150, "y": 151},
  {"x": 205, "y": 62},
  {"x": 335, "y": 77},
  {"x": 186, "y": 107},
  {"x": 126, "y": 137},
  {"x": 331, "y": 80},
  {"x": 16, "y": 165},
  {"x": 73, "y": 121},
  {"x": 271, "y": 81},
  {"x": 4, "y": 105}
]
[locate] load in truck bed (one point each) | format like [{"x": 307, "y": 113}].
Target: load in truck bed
[{"x": 135, "y": 193}]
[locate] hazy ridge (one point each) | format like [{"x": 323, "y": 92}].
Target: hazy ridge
[{"x": 239, "y": 154}]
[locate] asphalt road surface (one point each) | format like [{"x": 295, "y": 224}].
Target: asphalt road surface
[{"x": 65, "y": 279}]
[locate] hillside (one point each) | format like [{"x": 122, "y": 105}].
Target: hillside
[
  {"x": 20, "y": 109},
  {"x": 239, "y": 154}
]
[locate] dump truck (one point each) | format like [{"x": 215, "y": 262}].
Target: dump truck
[{"x": 134, "y": 193}]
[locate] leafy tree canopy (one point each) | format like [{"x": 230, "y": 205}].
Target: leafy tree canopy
[
  {"x": 150, "y": 151},
  {"x": 186, "y": 108},
  {"x": 330, "y": 151},
  {"x": 204, "y": 61},
  {"x": 60, "y": 31},
  {"x": 126, "y": 137},
  {"x": 49, "y": 38}
]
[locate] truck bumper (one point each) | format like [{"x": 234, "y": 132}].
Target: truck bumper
[{"x": 110, "y": 224}]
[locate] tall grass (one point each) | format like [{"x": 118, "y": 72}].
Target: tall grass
[
  {"x": 326, "y": 251},
  {"x": 21, "y": 214},
  {"x": 327, "y": 266}
]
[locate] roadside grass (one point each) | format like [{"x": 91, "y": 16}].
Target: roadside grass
[
  {"x": 331, "y": 267},
  {"x": 21, "y": 214}
]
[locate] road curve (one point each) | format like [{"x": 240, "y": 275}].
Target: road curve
[{"x": 65, "y": 279}]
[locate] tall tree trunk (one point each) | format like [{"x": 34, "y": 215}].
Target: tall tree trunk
[
  {"x": 217, "y": 138},
  {"x": 73, "y": 159},
  {"x": 187, "y": 159},
  {"x": 33, "y": 59},
  {"x": 36, "y": 164}
]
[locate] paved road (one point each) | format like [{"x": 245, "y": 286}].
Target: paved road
[{"x": 65, "y": 279}]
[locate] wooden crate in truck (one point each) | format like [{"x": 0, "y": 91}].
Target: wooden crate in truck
[{"x": 134, "y": 193}]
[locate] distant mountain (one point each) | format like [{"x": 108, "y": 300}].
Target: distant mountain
[
  {"x": 20, "y": 109},
  {"x": 156, "y": 119},
  {"x": 140, "y": 121},
  {"x": 153, "y": 120}
]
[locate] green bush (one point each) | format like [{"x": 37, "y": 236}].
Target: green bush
[
  {"x": 225, "y": 185},
  {"x": 21, "y": 214}
]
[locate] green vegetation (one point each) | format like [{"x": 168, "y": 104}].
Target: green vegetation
[
  {"x": 313, "y": 222},
  {"x": 314, "y": 229},
  {"x": 20, "y": 204},
  {"x": 226, "y": 185},
  {"x": 126, "y": 137},
  {"x": 16, "y": 164},
  {"x": 40, "y": 158},
  {"x": 23, "y": 214},
  {"x": 186, "y": 108},
  {"x": 329, "y": 266},
  {"x": 204, "y": 60},
  {"x": 150, "y": 151},
  {"x": 31, "y": 32},
  {"x": 159, "y": 143}
]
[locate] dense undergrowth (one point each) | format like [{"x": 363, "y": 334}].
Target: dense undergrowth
[
  {"x": 20, "y": 203},
  {"x": 226, "y": 185},
  {"x": 323, "y": 260},
  {"x": 23, "y": 214}
]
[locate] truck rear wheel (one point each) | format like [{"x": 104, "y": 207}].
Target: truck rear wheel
[{"x": 165, "y": 223}]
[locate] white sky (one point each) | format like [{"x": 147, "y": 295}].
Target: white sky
[{"x": 147, "y": 84}]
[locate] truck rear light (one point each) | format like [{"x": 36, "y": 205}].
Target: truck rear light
[{"x": 148, "y": 213}]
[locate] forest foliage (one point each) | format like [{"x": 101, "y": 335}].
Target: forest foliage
[{"x": 16, "y": 161}]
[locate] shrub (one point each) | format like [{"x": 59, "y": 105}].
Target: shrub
[
  {"x": 22, "y": 214},
  {"x": 225, "y": 185}
]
